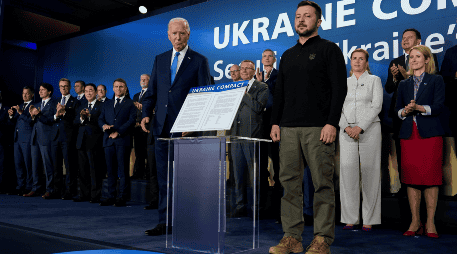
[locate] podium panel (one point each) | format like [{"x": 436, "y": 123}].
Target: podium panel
[{"x": 203, "y": 207}]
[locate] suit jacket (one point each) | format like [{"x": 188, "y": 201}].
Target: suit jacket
[
  {"x": 64, "y": 128},
  {"x": 248, "y": 119},
  {"x": 168, "y": 98},
  {"x": 44, "y": 121},
  {"x": 392, "y": 87},
  {"x": 23, "y": 125},
  {"x": 136, "y": 98},
  {"x": 89, "y": 132},
  {"x": 448, "y": 70},
  {"x": 363, "y": 101},
  {"x": 431, "y": 92},
  {"x": 271, "y": 82},
  {"x": 122, "y": 119}
]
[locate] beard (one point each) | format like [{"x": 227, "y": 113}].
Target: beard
[{"x": 307, "y": 32}]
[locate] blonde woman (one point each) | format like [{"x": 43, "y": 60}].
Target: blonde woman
[
  {"x": 360, "y": 140},
  {"x": 419, "y": 103}
]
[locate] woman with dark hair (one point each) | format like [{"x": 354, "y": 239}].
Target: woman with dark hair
[
  {"x": 360, "y": 140},
  {"x": 419, "y": 103}
]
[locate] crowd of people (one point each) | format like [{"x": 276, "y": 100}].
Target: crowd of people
[{"x": 300, "y": 106}]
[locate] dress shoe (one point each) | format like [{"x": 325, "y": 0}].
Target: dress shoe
[
  {"x": 49, "y": 195},
  {"x": 108, "y": 202},
  {"x": 30, "y": 194},
  {"x": 94, "y": 200},
  {"x": 366, "y": 229},
  {"x": 348, "y": 227},
  {"x": 80, "y": 199},
  {"x": 431, "y": 235},
  {"x": 151, "y": 206},
  {"x": 420, "y": 231},
  {"x": 160, "y": 229},
  {"x": 120, "y": 203}
]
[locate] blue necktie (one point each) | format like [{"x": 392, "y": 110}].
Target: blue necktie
[
  {"x": 174, "y": 67},
  {"x": 42, "y": 105},
  {"x": 116, "y": 107},
  {"x": 63, "y": 100},
  {"x": 141, "y": 95}
]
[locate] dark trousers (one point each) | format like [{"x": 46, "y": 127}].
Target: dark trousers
[
  {"x": 140, "y": 144},
  {"x": 23, "y": 165},
  {"x": 65, "y": 152},
  {"x": 46, "y": 156},
  {"x": 117, "y": 163},
  {"x": 154, "y": 185},
  {"x": 37, "y": 168},
  {"x": 90, "y": 173}
]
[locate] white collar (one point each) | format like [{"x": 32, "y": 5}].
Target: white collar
[
  {"x": 182, "y": 52},
  {"x": 45, "y": 101},
  {"x": 122, "y": 98},
  {"x": 27, "y": 102}
]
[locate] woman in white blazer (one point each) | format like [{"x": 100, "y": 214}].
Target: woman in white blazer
[{"x": 360, "y": 140}]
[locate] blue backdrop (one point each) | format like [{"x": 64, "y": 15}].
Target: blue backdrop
[{"x": 227, "y": 32}]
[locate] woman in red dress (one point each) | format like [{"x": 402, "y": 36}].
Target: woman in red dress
[{"x": 419, "y": 103}]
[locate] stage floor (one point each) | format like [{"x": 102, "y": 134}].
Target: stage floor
[{"x": 34, "y": 225}]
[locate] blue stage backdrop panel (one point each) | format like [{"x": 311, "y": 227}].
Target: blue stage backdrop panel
[{"x": 227, "y": 32}]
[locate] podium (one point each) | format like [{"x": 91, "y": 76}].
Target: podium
[{"x": 201, "y": 208}]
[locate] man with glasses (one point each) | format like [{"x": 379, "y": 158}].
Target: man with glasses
[
  {"x": 247, "y": 123},
  {"x": 235, "y": 73}
]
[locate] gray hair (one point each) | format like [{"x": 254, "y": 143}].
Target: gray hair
[
  {"x": 180, "y": 19},
  {"x": 146, "y": 75}
]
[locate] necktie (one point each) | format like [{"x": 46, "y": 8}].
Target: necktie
[
  {"x": 174, "y": 67},
  {"x": 42, "y": 105},
  {"x": 116, "y": 106},
  {"x": 63, "y": 100},
  {"x": 90, "y": 106},
  {"x": 23, "y": 107},
  {"x": 141, "y": 95},
  {"x": 407, "y": 62}
]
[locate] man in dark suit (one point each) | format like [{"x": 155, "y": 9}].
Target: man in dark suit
[
  {"x": 117, "y": 119},
  {"x": 79, "y": 90},
  {"x": 449, "y": 72},
  {"x": 42, "y": 114},
  {"x": 63, "y": 148},
  {"x": 247, "y": 123},
  {"x": 89, "y": 144},
  {"x": 20, "y": 116},
  {"x": 174, "y": 73},
  {"x": 140, "y": 137},
  {"x": 101, "y": 93},
  {"x": 397, "y": 72}
]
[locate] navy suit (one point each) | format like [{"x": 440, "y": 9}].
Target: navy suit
[
  {"x": 41, "y": 138},
  {"x": 90, "y": 152},
  {"x": 117, "y": 151},
  {"x": 431, "y": 92},
  {"x": 448, "y": 70},
  {"x": 63, "y": 149},
  {"x": 167, "y": 98},
  {"x": 22, "y": 151}
]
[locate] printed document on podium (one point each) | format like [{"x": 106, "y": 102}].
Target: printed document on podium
[{"x": 210, "y": 107}]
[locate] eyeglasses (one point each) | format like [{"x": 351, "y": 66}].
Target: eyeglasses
[
  {"x": 234, "y": 71},
  {"x": 246, "y": 68}
]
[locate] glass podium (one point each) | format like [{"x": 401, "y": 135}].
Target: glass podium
[{"x": 204, "y": 213}]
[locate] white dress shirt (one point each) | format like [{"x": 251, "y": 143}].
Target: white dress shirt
[{"x": 182, "y": 53}]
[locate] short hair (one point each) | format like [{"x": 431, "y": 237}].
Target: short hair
[
  {"x": 92, "y": 85},
  {"x": 29, "y": 88},
  {"x": 66, "y": 80},
  {"x": 146, "y": 75},
  {"x": 317, "y": 8},
  {"x": 120, "y": 80},
  {"x": 418, "y": 34},
  {"x": 179, "y": 19},
  {"x": 81, "y": 82},
  {"x": 270, "y": 51},
  {"x": 430, "y": 67},
  {"x": 367, "y": 56},
  {"x": 235, "y": 65},
  {"x": 104, "y": 87},
  {"x": 248, "y": 61},
  {"x": 48, "y": 87}
]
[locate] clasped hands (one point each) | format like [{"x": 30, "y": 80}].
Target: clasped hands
[
  {"x": 112, "y": 135},
  {"x": 412, "y": 106},
  {"x": 34, "y": 111},
  {"x": 85, "y": 114},
  {"x": 258, "y": 74},
  {"x": 353, "y": 132},
  {"x": 398, "y": 69},
  {"x": 17, "y": 108},
  {"x": 60, "y": 110}
]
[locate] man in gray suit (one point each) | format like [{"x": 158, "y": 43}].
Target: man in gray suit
[{"x": 247, "y": 123}]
